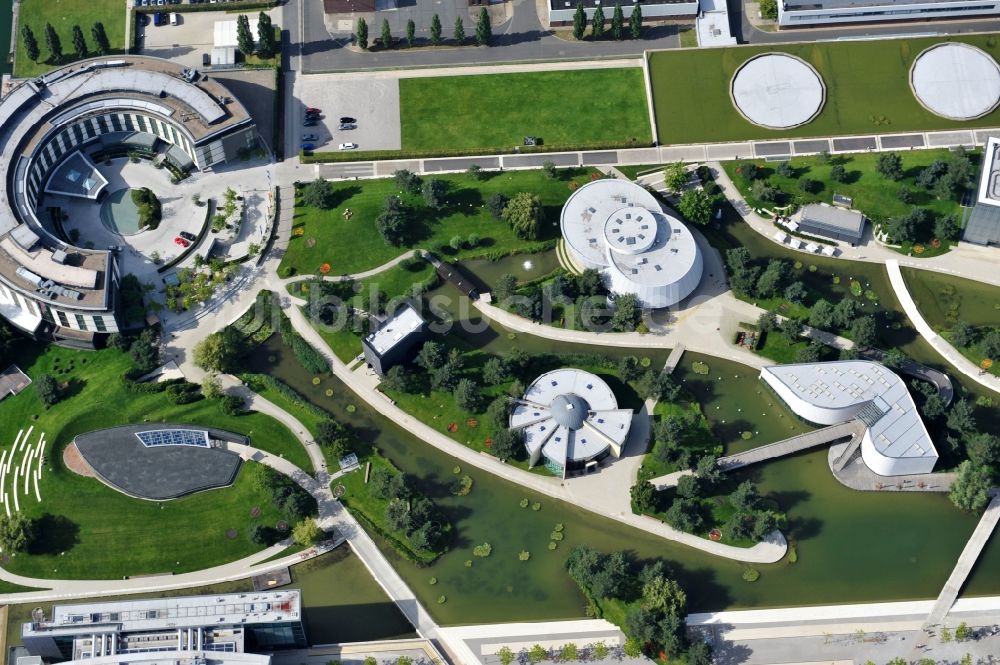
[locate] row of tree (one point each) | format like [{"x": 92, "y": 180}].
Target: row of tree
[
  {"x": 54, "y": 43},
  {"x": 598, "y": 24},
  {"x": 407, "y": 511},
  {"x": 984, "y": 341},
  {"x": 484, "y": 31},
  {"x": 266, "y": 45}
]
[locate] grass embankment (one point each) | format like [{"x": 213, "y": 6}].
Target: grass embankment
[
  {"x": 496, "y": 111},
  {"x": 354, "y": 245},
  {"x": 63, "y": 15},
  {"x": 867, "y": 90},
  {"x": 77, "y": 538}
]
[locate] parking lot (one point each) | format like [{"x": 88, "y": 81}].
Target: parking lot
[
  {"x": 371, "y": 99},
  {"x": 193, "y": 36}
]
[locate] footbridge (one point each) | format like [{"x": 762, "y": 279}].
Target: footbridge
[{"x": 851, "y": 431}]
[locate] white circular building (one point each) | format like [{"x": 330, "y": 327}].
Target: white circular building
[
  {"x": 777, "y": 91},
  {"x": 956, "y": 81},
  {"x": 617, "y": 227},
  {"x": 571, "y": 418}
]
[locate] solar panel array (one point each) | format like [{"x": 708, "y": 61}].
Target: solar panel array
[{"x": 173, "y": 437}]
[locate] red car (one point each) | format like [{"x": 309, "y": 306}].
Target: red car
[
  {"x": 313, "y": 111},
  {"x": 181, "y": 241}
]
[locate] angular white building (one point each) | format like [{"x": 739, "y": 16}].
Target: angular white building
[
  {"x": 895, "y": 443},
  {"x": 571, "y": 418},
  {"x": 617, "y": 227}
]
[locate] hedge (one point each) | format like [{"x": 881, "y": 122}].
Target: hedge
[{"x": 374, "y": 155}]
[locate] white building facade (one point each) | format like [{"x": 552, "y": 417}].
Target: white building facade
[
  {"x": 801, "y": 14},
  {"x": 561, "y": 12},
  {"x": 895, "y": 442}
]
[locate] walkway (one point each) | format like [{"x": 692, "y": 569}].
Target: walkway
[
  {"x": 388, "y": 265},
  {"x": 965, "y": 563},
  {"x": 768, "y": 551},
  {"x": 950, "y": 353},
  {"x": 789, "y": 446},
  {"x": 674, "y": 358},
  {"x": 851, "y": 471}
]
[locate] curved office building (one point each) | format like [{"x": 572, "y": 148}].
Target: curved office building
[
  {"x": 571, "y": 418},
  {"x": 620, "y": 229},
  {"x": 895, "y": 442},
  {"x": 52, "y": 131}
]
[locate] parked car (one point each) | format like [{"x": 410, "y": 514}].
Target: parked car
[
  {"x": 348, "y": 146},
  {"x": 188, "y": 236},
  {"x": 206, "y": 60},
  {"x": 309, "y": 122},
  {"x": 348, "y": 125},
  {"x": 159, "y": 18},
  {"x": 181, "y": 241},
  {"x": 347, "y": 119},
  {"x": 175, "y": 18},
  {"x": 310, "y": 137},
  {"x": 313, "y": 110},
  {"x": 308, "y": 146}
]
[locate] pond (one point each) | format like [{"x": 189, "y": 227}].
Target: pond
[
  {"x": 944, "y": 300},
  {"x": 840, "y": 534}
]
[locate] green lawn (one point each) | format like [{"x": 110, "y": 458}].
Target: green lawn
[
  {"x": 875, "y": 196},
  {"x": 354, "y": 245},
  {"x": 496, "y": 111},
  {"x": 89, "y": 530},
  {"x": 867, "y": 90},
  {"x": 63, "y": 15}
]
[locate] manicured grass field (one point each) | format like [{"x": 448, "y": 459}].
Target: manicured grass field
[
  {"x": 873, "y": 195},
  {"x": 354, "y": 245},
  {"x": 496, "y": 111},
  {"x": 867, "y": 90},
  {"x": 89, "y": 530},
  {"x": 63, "y": 15}
]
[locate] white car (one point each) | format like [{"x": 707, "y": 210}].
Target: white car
[{"x": 348, "y": 146}]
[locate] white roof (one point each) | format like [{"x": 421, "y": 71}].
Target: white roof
[
  {"x": 581, "y": 435},
  {"x": 619, "y": 225},
  {"x": 403, "y": 322},
  {"x": 224, "y": 33},
  {"x": 898, "y": 433},
  {"x": 956, "y": 81},
  {"x": 777, "y": 90}
]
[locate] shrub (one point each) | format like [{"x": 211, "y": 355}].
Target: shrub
[
  {"x": 47, "y": 390},
  {"x": 150, "y": 211},
  {"x": 231, "y": 405},
  {"x": 483, "y": 550}
]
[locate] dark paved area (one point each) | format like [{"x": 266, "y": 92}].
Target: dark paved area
[
  {"x": 461, "y": 163},
  {"x": 905, "y": 141},
  {"x": 856, "y": 143},
  {"x": 593, "y": 158},
  {"x": 772, "y": 149},
  {"x": 559, "y": 159},
  {"x": 160, "y": 472},
  {"x": 815, "y": 145}
]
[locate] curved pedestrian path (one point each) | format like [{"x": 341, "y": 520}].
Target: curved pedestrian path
[
  {"x": 769, "y": 551},
  {"x": 950, "y": 353},
  {"x": 388, "y": 265}
]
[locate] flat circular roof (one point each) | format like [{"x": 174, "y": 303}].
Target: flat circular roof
[
  {"x": 956, "y": 81},
  {"x": 630, "y": 230},
  {"x": 778, "y": 91}
]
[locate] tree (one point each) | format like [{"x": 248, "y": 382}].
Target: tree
[
  {"x": 749, "y": 171},
  {"x": 745, "y": 497},
  {"x": 864, "y": 332},
  {"x": 431, "y": 356},
  {"x": 696, "y": 206},
  {"x": 961, "y": 418},
  {"x": 970, "y": 491},
  {"x": 30, "y": 43},
  {"x": 53, "y": 43},
  {"x": 785, "y": 170},
  {"x": 496, "y": 371},
  {"x": 433, "y": 191},
  {"x": 391, "y": 221},
  {"x": 411, "y": 32},
  {"x": 700, "y": 653},
  {"x": 524, "y": 214},
  {"x": 100, "y": 38},
  {"x": 796, "y": 292},
  {"x": 468, "y": 396},
  {"x": 333, "y": 436},
  {"x": 498, "y": 412},
  {"x": 810, "y": 186},
  {"x": 435, "y": 30},
  {"x": 946, "y": 228},
  {"x": 549, "y": 169},
  {"x": 244, "y": 38},
  {"x": 484, "y": 29},
  {"x": 906, "y": 195},
  {"x": 664, "y": 594},
  {"x": 643, "y": 495},
  {"x": 459, "y": 30},
  {"x": 266, "y": 45},
  {"x": 218, "y": 351},
  {"x": 685, "y": 514},
  {"x": 307, "y": 533},
  {"x": 890, "y": 165},
  {"x": 145, "y": 350},
  {"x": 47, "y": 390},
  {"x": 904, "y": 228},
  {"x": 688, "y": 487},
  {"x": 809, "y": 353},
  {"x": 894, "y": 358},
  {"x": 771, "y": 279},
  {"x": 821, "y": 314},
  {"x": 962, "y": 632},
  {"x": 579, "y": 22},
  {"x": 211, "y": 387},
  {"x": 568, "y": 653},
  {"x": 361, "y": 32},
  {"x": 635, "y": 22},
  {"x": 597, "y": 24},
  {"x": 505, "y": 655},
  {"x": 318, "y": 194},
  {"x": 962, "y": 334},
  {"x": 17, "y": 533},
  {"x": 496, "y": 204},
  {"x": 627, "y": 315},
  {"x": 506, "y": 444},
  {"x": 838, "y": 173},
  {"x": 708, "y": 471},
  {"x": 675, "y": 176},
  {"x": 983, "y": 449},
  {"x": 537, "y": 653},
  {"x": 79, "y": 44},
  {"x": 764, "y": 192},
  {"x": 386, "y": 34},
  {"x": 617, "y": 23},
  {"x": 505, "y": 287}
]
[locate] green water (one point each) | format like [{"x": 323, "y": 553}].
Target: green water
[
  {"x": 342, "y": 602},
  {"x": 944, "y": 300},
  {"x": 119, "y": 213},
  {"x": 853, "y": 546}
]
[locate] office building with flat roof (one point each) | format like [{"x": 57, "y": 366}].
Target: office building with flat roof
[
  {"x": 51, "y": 129},
  {"x": 895, "y": 442},
  {"x": 176, "y": 628},
  {"x": 810, "y": 13},
  {"x": 983, "y": 226},
  {"x": 392, "y": 343}
]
